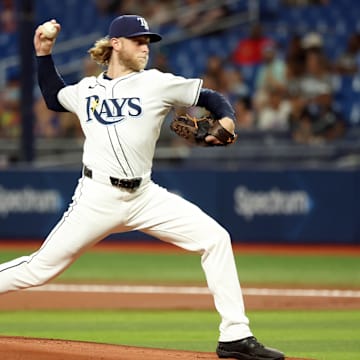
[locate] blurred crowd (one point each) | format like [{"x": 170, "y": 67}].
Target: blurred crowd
[
  {"x": 194, "y": 15},
  {"x": 292, "y": 91},
  {"x": 47, "y": 124}
]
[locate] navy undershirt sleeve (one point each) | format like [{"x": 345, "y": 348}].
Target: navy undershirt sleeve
[
  {"x": 50, "y": 82},
  {"x": 216, "y": 103}
]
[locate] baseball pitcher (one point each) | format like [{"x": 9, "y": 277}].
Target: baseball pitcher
[{"x": 121, "y": 112}]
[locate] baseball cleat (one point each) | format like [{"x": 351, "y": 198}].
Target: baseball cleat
[{"x": 247, "y": 349}]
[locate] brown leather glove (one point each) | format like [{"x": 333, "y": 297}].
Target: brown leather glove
[{"x": 195, "y": 130}]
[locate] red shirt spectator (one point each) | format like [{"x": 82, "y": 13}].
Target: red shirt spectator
[{"x": 249, "y": 51}]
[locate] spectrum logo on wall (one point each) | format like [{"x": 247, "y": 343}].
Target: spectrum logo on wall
[
  {"x": 28, "y": 200},
  {"x": 250, "y": 203}
]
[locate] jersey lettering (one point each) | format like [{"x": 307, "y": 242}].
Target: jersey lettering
[{"x": 112, "y": 111}]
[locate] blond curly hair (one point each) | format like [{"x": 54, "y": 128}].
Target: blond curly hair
[{"x": 101, "y": 51}]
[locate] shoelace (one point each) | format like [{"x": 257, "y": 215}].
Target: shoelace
[{"x": 254, "y": 343}]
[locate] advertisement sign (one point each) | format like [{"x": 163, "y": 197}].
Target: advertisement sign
[
  {"x": 31, "y": 202},
  {"x": 290, "y": 206},
  {"x": 285, "y": 206}
]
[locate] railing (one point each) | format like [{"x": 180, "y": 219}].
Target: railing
[{"x": 255, "y": 148}]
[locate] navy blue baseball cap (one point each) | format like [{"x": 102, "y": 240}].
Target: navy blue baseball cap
[{"x": 129, "y": 26}]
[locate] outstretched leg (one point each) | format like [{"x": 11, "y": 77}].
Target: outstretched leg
[{"x": 88, "y": 219}]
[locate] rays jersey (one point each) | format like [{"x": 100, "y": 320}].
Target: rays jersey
[{"x": 121, "y": 118}]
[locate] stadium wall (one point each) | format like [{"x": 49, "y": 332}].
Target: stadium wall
[{"x": 256, "y": 206}]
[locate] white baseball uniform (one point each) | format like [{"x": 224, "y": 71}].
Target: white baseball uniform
[{"x": 121, "y": 120}]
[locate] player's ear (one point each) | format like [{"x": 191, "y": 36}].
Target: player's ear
[{"x": 116, "y": 43}]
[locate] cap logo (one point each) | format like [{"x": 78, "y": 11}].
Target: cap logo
[
  {"x": 129, "y": 26},
  {"x": 143, "y": 23}
]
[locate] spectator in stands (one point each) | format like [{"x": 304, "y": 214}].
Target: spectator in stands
[
  {"x": 272, "y": 71},
  {"x": 160, "y": 62},
  {"x": 213, "y": 72},
  {"x": 244, "y": 113},
  {"x": 297, "y": 114},
  {"x": 8, "y": 21},
  {"x": 312, "y": 41},
  {"x": 249, "y": 51},
  {"x": 47, "y": 122},
  {"x": 232, "y": 84},
  {"x": 270, "y": 74},
  {"x": 295, "y": 52},
  {"x": 70, "y": 126},
  {"x": 10, "y": 123},
  {"x": 317, "y": 74},
  {"x": 224, "y": 77},
  {"x": 295, "y": 56},
  {"x": 214, "y": 66},
  {"x": 273, "y": 115},
  {"x": 348, "y": 62},
  {"x": 318, "y": 121},
  {"x": 210, "y": 82}
]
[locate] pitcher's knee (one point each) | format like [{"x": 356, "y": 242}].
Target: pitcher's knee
[{"x": 221, "y": 237}]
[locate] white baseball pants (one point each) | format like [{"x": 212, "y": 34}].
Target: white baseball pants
[{"x": 98, "y": 210}]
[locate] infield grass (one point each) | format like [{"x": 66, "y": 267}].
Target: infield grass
[{"x": 321, "y": 335}]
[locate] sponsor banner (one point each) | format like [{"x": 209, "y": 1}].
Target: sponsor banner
[
  {"x": 291, "y": 206},
  {"x": 31, "y": 202}
]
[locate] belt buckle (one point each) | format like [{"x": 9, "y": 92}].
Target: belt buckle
[
  {"x": 87, "y": 172},
  {"x": 130, "y": 184}
]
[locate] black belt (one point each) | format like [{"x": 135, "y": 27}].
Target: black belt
[{"x": 130, "y": 184}]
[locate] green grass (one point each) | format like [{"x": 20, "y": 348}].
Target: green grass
[
  {"x": 321, "y": 335},
  {"x": 339, "y": 271}
]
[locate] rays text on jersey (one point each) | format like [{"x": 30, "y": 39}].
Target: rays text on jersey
[{"x": 111, "y": 111}]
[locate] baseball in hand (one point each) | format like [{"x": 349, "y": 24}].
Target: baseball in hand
[{"x": 49, "y": 30}]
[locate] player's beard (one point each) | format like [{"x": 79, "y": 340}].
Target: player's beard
[{"x": 134, "y": 63}]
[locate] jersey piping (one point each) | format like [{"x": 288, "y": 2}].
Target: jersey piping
[{"x": 115, "y": 153}]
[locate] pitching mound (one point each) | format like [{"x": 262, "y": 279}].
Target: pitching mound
[{"x": 13, "y": 348}]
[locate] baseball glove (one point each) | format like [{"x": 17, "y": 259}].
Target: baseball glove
[{"x": 195, "y": 130}]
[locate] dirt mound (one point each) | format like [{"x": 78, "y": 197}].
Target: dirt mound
[{"x": 16, "y": 348}]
